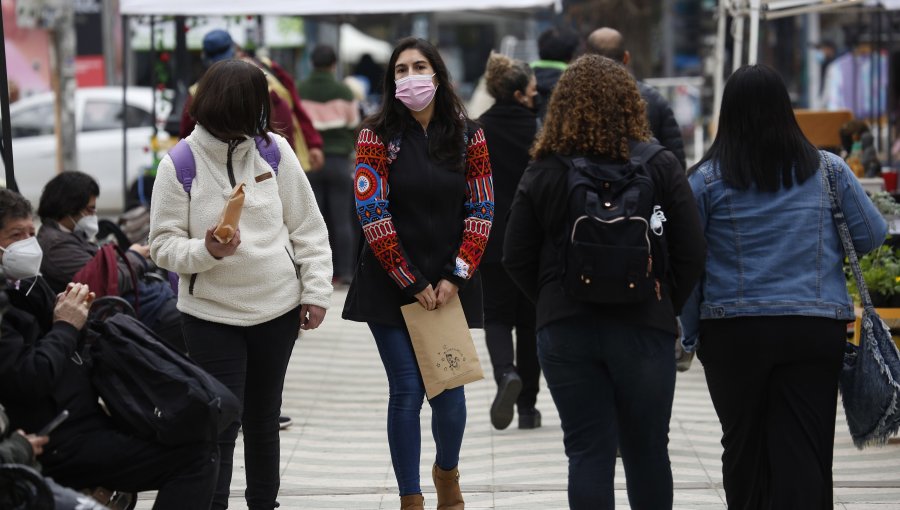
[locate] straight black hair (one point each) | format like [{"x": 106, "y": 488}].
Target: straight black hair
[
  {"x": 393, "y": 118},
  {"x": 758, "y": 140},
  {"x": 67, "y": 194},
  {"x": 232, "y": 101}
]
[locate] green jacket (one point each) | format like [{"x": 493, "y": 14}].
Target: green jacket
[{"x": 333, "y": 110}]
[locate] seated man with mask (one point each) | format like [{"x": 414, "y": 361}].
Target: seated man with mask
[
  {"x": 41, "y": 374},
  {"x": 68, "y": 227}
]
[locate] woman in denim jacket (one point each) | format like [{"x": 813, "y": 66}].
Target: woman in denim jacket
[{"x": 772, "y": 308}]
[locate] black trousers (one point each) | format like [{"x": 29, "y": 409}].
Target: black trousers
[
  {"x": 251, "y": 361},
  {"x": 333, "y": 188},
  {"x": 185, "y": 476},
  {"x": 505, "y": 309},
  {"x": 774, "y": 382}
]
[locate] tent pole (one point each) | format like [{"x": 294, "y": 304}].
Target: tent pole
[
  {"x": 719, "y": 72},
  {"x": 753, "y": 45},
  {"x": 4, "y": 111},
  {"x": 737, "y": 31}
]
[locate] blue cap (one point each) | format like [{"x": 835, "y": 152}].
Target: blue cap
[{"x": 217, "y": 46}]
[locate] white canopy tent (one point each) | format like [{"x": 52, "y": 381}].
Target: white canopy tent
[
  {"x": 317, "y": 7},
  {"x": 752, "y": 11}
]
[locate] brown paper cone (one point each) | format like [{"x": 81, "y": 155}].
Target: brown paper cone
[{"x": 231, "y": 215}]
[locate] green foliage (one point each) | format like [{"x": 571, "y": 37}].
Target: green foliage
[
  {"x": 881, "y": 272},
  {"x": 886, "y": 204}
]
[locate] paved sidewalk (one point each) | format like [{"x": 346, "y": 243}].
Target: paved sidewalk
[{"x": 336, "y": 454}]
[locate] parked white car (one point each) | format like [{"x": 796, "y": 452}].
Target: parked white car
[{"x": 98, "y": 121}]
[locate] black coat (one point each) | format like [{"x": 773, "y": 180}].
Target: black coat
[
  {"x": 662, "y": 122},
  {"x": 427, "y": 206},
  {"x": 536, "y": 235},
  {"x": 40, "y": 371},
  {"x": 509, "y": 129}
]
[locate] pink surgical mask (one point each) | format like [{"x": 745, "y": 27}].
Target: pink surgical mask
[{"x": 416, "y": 91}]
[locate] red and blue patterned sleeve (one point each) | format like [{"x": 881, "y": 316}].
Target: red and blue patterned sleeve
[
  {"x": 371, "y": 183},
  {"x": 479, "y": 211}
]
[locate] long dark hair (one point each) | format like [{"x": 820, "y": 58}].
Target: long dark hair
[
  {"x": 393, "y": 118},
  {"x": 232, "y": 101},
  {"x": 759, "y": 141}
]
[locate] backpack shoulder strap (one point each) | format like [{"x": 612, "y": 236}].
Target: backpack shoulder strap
[
  {"x": 269, "y": 152},
  {"x": 185, "y": 168},
  {"x": 645, "y": 151}
]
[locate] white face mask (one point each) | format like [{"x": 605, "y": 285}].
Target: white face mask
[
  {"x": 22, "y": 259},
  {"x": 89, "y": 225}
]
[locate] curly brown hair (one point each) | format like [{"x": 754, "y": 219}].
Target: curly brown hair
[{"x": 595, "y": 110}]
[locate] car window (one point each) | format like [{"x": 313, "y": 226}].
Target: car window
[
  {"x": 100, "y": 115},
  {"x": 35, "y": 121}
]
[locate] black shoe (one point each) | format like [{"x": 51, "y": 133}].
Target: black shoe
[
  {"x": 503, "y": 408},
  {"x": 284, "y": 422},
  {"x": 529, "y": 418}
]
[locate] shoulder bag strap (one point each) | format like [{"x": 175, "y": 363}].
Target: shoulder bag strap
[{"x": 844, "y": 232}]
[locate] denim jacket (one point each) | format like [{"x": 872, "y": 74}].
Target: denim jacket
[{"x": 777, "y": 253}]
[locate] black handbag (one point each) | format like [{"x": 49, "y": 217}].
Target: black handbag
[{"x": 870, "y": 375}]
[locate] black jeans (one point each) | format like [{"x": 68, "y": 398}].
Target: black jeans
[
  {"x": 185, "y": 476},
  {"x": 251, "y": 361},
  {"x": 613, "y": 384},
  {"x": 774, "y": 382},
  {"x": 505, "y": 309},
  {"x": 333, "y": 187}
]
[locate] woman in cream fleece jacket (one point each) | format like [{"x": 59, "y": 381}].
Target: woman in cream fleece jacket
[{"x": 245, "y": 301}]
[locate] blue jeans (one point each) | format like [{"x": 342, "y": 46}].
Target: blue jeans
[
  {"x": 613, "y": 384},
  {"x": 407, "y": 392}
]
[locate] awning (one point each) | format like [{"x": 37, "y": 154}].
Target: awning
[{"x": 315, "y": 7}]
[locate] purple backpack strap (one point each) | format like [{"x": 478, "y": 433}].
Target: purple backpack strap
[
  {"x": 269, "y": 152},
  {"x": 185, "y": 168}
]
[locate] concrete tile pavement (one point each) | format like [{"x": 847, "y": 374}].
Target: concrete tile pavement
[{"x": 336, "y": 455}]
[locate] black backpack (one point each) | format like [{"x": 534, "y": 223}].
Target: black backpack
[
  {"x": 152, "y": 390},
  {"x": 614, "y": 251}
]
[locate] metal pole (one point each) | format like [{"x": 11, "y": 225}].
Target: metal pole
[
  {"x": 890, "y": 98},
  {"x": 4, "y": 111},
  {"x": 126, "y": 36},
  {"x": 813, "y": 66},
  {"x": 737, "y": 31},
  {"x": 153, "y": 76},
  {"x": 753, "y": 46},
  {"x": 719, "y": 71}
]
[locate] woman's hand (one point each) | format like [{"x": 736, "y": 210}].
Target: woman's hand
[
  {"x": 142, "y": 249},
  {"x": 73, "y": 305},
  {"x": 445, "y": 292},
  {"x": 311, "y": 316},
  {"x": 37, "y": 442},
  {"x": 427, "y": 298},
  {"x": 221, "y": 250}
]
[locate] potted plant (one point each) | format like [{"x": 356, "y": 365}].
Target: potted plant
[
  {"x": 881, "y": 267},
  {"x": 881, "y": 272}
]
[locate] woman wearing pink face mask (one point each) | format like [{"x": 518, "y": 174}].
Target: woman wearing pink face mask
[{"x": 424, "y": 198}]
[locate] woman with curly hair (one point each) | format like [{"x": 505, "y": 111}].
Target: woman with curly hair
[
  {"x": 425, "y": 203},
  {"x": 510, "y": 126},
  {"x": 610, "y": 368}
]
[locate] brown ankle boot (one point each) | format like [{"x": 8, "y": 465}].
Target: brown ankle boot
[
  {"x": 412, "y": 502},
  {"x": 449, "y": 497}
]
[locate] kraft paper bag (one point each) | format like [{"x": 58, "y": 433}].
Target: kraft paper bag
[
  {"x": 443, "y": 345},
  {"x": 231, "y": 215}
]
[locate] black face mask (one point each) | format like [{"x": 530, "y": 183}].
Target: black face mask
[{"x": 535, "y": 103}]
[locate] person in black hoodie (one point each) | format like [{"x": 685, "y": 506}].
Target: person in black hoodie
[
  {"x": 557, "y": 46},
  {"x": 425, "y": 202},
  {"x": 510, "y": 126},
  {"x": 42, "y": 374},
  {"x": 609, "y": 43},
  {"x": 609, "y": 368}
]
